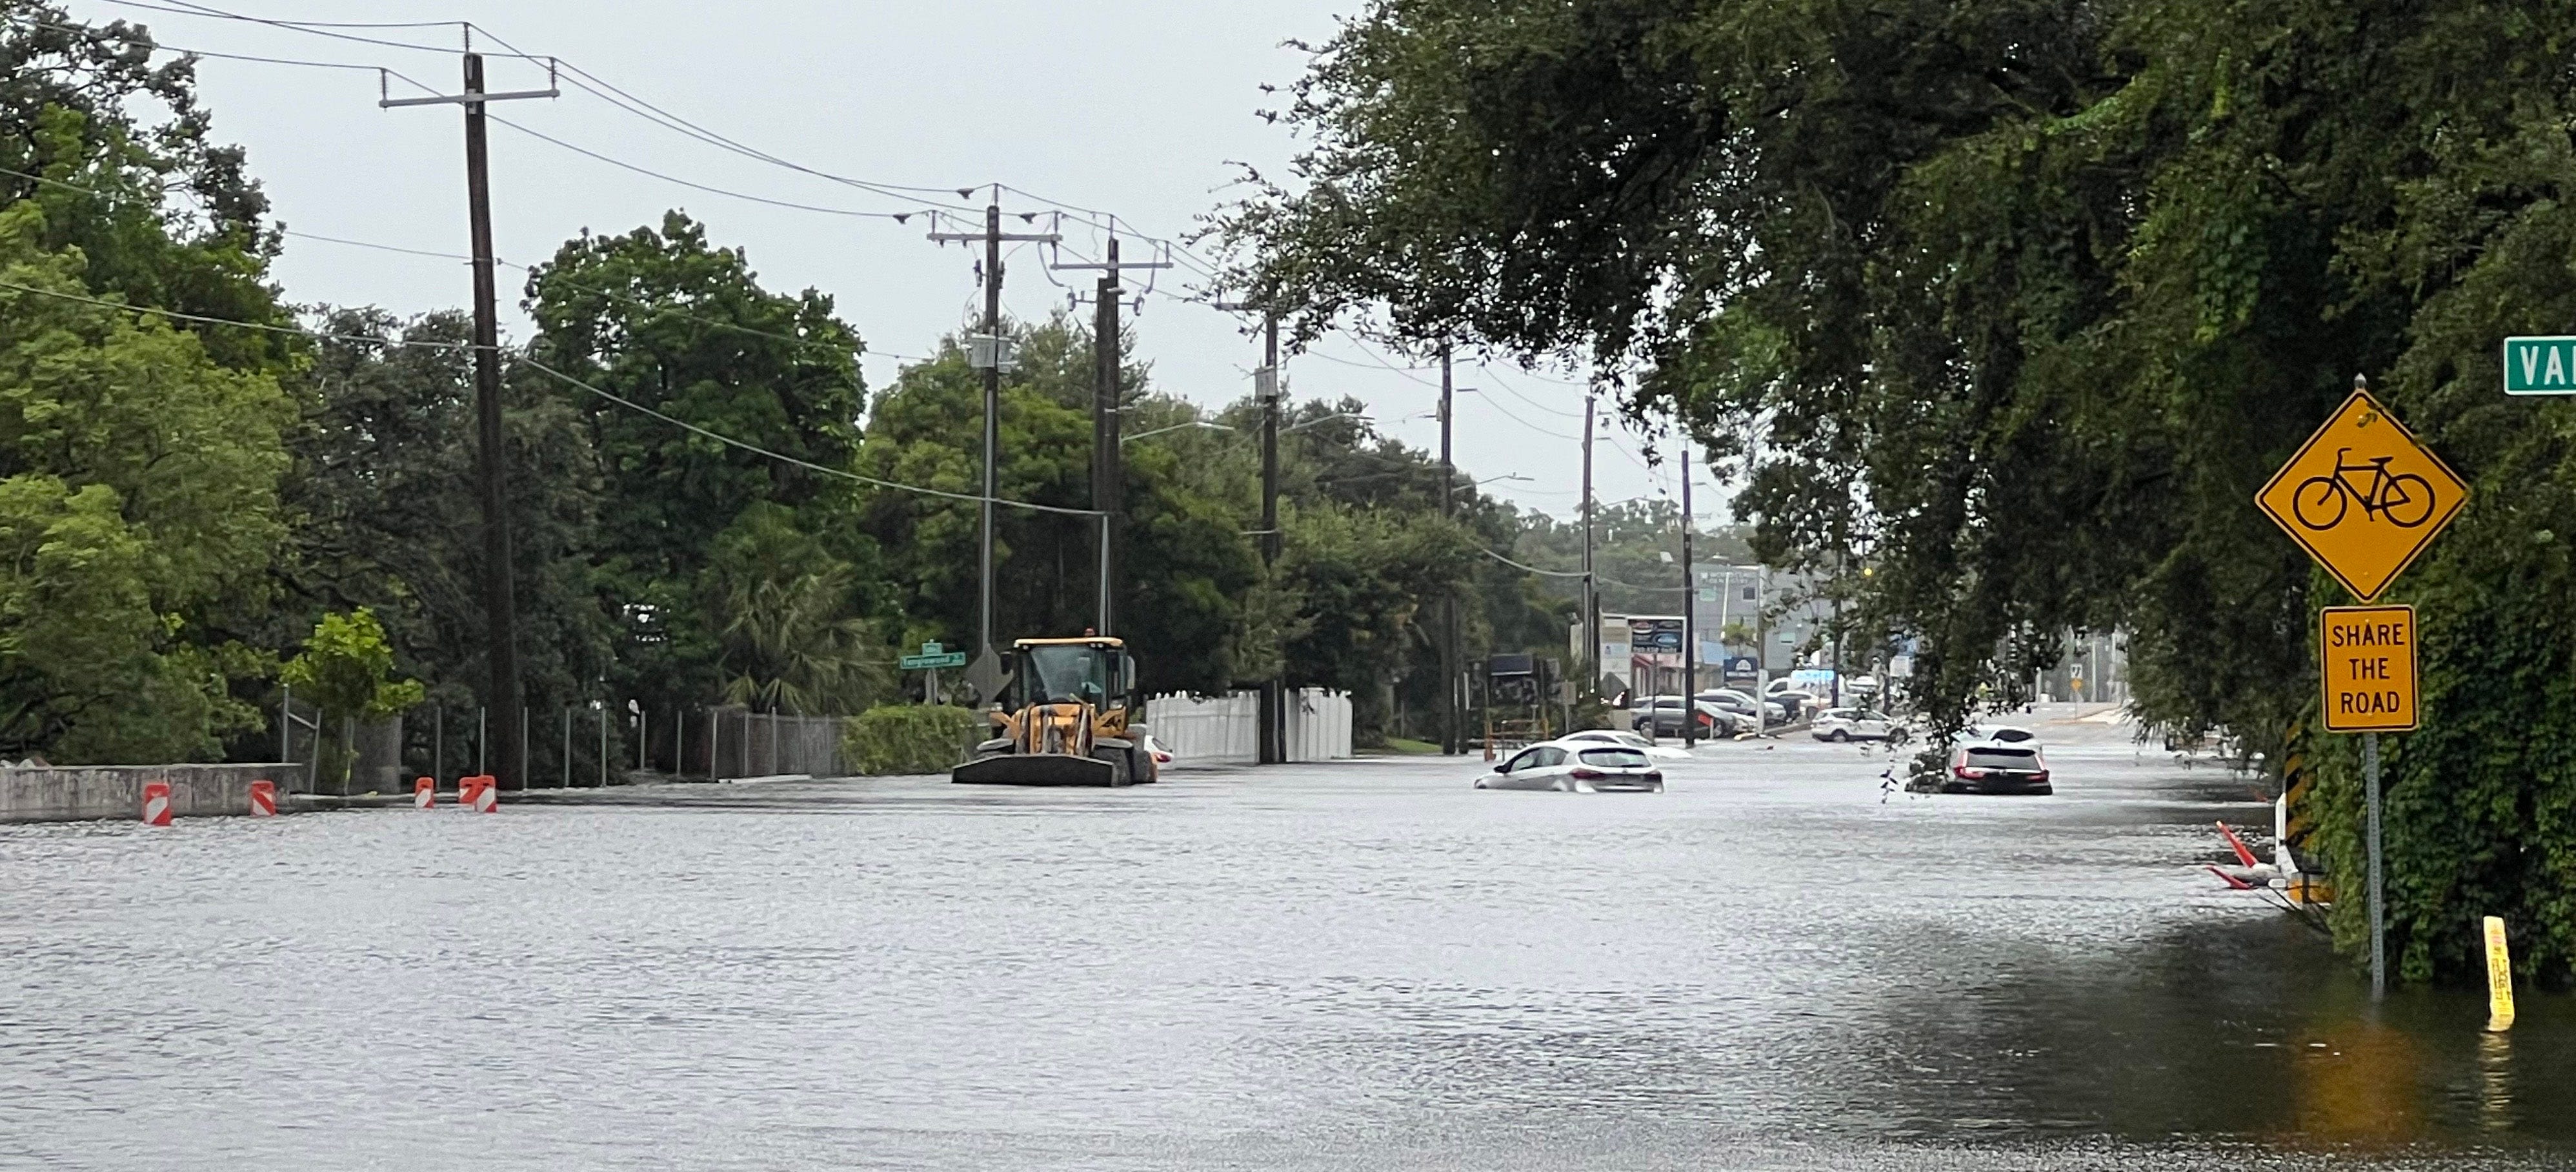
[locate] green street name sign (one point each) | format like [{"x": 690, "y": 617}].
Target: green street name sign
[
  {"x": 2540, "y": 366},
  {"x": 922, "y": 662}
]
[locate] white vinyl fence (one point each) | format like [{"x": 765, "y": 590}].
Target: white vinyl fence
[
  {"x": 1319, "y": 725},
  {"x": 1226, "y": 730}
]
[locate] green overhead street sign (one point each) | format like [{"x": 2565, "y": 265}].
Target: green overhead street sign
[
  {"x": 2540, "y": 366},
  {"x": 932, "y": 656}
]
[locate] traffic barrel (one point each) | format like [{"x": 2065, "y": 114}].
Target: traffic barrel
[
  {"x": 263, "y": 798},
  {"x": 481, "y": 795},
  {"x": 424, "y": 792},
  {"x": 156, "y": 803}
]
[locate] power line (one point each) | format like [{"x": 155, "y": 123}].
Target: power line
[
  {"x": 311, "y": 28},
  {"x": 897, "y": 217},
  {"x": 719, "y": 437},
  {"x": 544, "y": 369}
]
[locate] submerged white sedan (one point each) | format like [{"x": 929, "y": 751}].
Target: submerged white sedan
[
  {"x": 1576, "y": 767},
  {"x": 1623, "y": 739}
]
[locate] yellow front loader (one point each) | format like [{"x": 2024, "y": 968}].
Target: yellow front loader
[{"x": 1063, "y": 719}]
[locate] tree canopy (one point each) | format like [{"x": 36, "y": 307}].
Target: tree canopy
[{"x": 2013, "y": 305}]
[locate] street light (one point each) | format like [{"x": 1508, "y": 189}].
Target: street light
[
  {"x": 1199, "y": 423},
  {"x": 1365, "y": 418}
]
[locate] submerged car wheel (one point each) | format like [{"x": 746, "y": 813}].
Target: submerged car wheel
[{"x": 1839, "y": 736}]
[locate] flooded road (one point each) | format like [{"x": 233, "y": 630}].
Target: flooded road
[{"x": 1360, "y": 965}]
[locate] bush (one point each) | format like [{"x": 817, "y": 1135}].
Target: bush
[{"x": 911, "y": 738}]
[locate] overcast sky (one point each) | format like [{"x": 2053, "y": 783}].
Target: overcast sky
[{"x": 1138, "y": 108}]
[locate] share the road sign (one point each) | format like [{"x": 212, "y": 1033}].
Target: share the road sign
[
  {"x": 2540, "y": 366},
  {"x": 2362, "y": 496},
  {"x": 2366, "y": 658}
]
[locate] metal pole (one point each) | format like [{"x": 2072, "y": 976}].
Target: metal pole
[
  {"x": 1100, "y": 616},
  {"x": 643, "y": 738},
  {"x": 482, "y": 739},
  {"x": 1591, "y": 589},
  {"x": 679, "y": 745},
  {"x": 567, "y": 747},
  {"x": 500, "y": 605},
  {"x": 286, "y": 722},
  {"x": 603, "y": 744},
  {"x": 438, "y": 745},
  {"x": 1274, "y": 714},
  {"x": 1449, "y": 740},
  {"x": 992, "y": 410},
  {"x": 1690, "y": 614},
  {"x": 531, "y": 782},
  {"x": 2378, "y": 894}
]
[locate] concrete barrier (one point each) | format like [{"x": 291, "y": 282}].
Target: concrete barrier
[{"x": 74, "y": 793}]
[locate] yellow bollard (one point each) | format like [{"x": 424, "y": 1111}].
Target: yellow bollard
[{"x": 2499, "y": 978}]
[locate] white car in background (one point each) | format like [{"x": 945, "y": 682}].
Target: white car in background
[
  {"x": 1577, "y": 767},
  {"x": 1853, "y": 724},
  {"x": 1627, "y": 740}
]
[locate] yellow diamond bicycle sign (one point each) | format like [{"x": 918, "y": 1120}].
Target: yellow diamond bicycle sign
[{"x": 2363, "y": 496}]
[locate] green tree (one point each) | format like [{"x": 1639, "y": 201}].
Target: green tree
[
  {"x": 791, "y": 635},
  {"x": 345, "y": 670},
  {"x": 666, "y": 320},
  {"x": 1187, "y": 561},
  {"x": 2023, "y": 301},
  {"x": 387, "y": 513},
  {"x": 161, "y": 213},
  {"x": 138, "y": 495}
]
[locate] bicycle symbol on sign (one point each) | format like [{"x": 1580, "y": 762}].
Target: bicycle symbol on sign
[{"x": 2404, "y": 499}]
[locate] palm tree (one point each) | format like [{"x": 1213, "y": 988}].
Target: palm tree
[{"x": 794, "y": 644}]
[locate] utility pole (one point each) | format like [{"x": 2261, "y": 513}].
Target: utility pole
[
  {"x": 1591, "y": 588},
  {"x": 987, "y": 352},
  {"x": 1274, "y": 691},
  {"x": 1690, "y": 612},
  {"x": 500, "y": 603},
  {"x": 1271, "y": 738},
  {"x": 1108, "y": 474},
  {"x": 1449, "y": 742},
  {"x": 1108, "y": 478}
]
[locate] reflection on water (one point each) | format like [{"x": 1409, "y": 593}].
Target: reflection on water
[{"x": 1358, "y": 966}]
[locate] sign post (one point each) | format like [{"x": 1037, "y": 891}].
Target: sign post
[
  {"x": 2364, "y": 498},
  {"x": 932, "y": 658}
]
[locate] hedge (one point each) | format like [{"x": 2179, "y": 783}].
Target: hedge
[{"x": 910, "y": 738}]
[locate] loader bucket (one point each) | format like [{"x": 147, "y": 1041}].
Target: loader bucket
[{"x": 1034, "y": 769}]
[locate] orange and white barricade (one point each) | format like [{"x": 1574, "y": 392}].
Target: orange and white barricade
[
  {"x": 480, "y": 795},
  {"x": 424, "y": 792},
  {"x": 156, "y": 803},
  {"x": 263, "y": 798}
]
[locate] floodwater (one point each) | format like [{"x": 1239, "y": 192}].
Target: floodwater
[{"x": 1776, "y": 964}]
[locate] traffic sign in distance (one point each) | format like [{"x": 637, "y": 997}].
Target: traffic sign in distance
[
  {"x": 2540, "y": 366},
  {"x": 2363, "y": 496},
  {"x": 2366, "y": 657},
  {"x": 925, "y": 662}
]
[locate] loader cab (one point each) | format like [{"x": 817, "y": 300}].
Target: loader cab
[{"x": 1094, "y": 671}]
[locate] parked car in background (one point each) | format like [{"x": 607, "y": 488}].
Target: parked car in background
[
  {"x": 1800, "y": 701},
  {"x": 1998, "y": 760},
  {"x": 1662, "y": 716},
  {"x": 1576, "y": 767},
  {"x": 1770, "y": 711},
  {"x": 1621, "y": 738},
  {"x": 1853, "y": 724}
]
